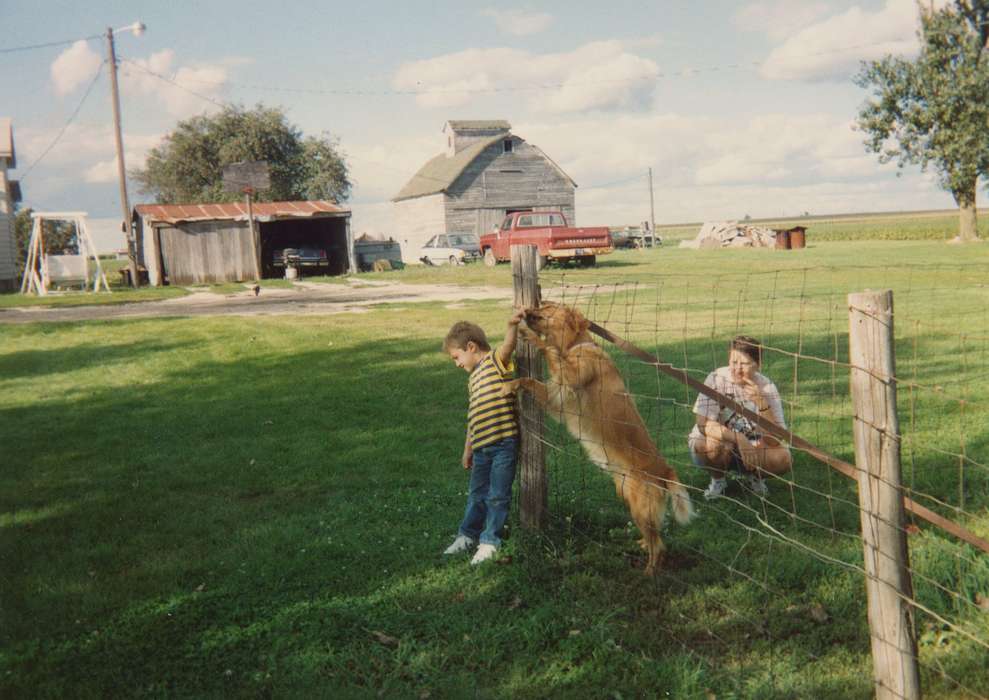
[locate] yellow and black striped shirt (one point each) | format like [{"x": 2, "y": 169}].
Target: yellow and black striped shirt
[{"x": 490, "y": 417}]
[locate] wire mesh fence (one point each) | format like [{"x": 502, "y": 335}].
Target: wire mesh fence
[{"x": 797, "y": 552}]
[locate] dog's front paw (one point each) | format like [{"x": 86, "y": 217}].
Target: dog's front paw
[
  {"x": 509, "y": 388},
  {"x": 530, "y": 336}
]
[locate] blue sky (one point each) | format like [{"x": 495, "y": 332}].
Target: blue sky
[{"x": 739, "y": 107}]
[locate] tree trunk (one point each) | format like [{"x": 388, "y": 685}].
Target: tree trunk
[
  {"x": 968, "y": 222},
  {"x": 968, "y": 230}
]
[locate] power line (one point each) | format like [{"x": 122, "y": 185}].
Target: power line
[
  {"x": 71, "y": 118},
  {"x": 31, "y": 47},
  {"x": 168, "y": 80}
]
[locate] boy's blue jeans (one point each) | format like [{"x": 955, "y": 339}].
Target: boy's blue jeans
[{"x": 490, "y": 495}]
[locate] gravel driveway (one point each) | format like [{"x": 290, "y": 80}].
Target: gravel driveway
[{"x": 304, "y": 298}]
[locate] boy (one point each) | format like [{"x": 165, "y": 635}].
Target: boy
[{"x": 491, "y": 447}]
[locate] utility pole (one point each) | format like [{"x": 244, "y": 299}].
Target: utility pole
[
  {"x": 121, "y": 169},
  {"x": 652, "y": 212}
]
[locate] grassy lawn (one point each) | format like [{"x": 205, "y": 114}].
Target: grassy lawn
[{"x": 256, "y": 506}]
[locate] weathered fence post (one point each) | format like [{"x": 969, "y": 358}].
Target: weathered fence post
[
  {"x": 532, "y": 482},
  {"x": 877, "y": 456}
]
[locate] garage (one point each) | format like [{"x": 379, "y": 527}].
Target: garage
[{"x": 214, "y": 243}]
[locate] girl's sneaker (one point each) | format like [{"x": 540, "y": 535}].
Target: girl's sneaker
[
  {"x": 716, "y": 489},
  {"x": 756, "y": 485},
  {"x": 460, "y": 545}
]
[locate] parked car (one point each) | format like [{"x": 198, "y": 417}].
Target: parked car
[
  {"x": 633, "y": 237},
  {"x": 297, "y": 257},
  {"x": 549, "y": 232},
  {"x": 450, "y": 248}
]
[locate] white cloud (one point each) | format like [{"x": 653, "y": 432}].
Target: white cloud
[
  {"x": 599, "y": 75},
  {"x": 74, "y": 67},
  {"x": 833, "y": 48},
  {"x": 778, "y": 19},
  {"x": 518, "y": 22},
  {"x": 84, "y": 151},
  {"x": 184, "y": 90}
]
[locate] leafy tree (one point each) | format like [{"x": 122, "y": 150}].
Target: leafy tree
[
  {"x": 188, "y": 165},
  {"x": 934, "y": 110}
]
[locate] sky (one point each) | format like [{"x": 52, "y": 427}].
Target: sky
[{"x": 740, "y": 108}]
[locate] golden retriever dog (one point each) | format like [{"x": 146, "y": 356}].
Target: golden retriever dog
[{"x": 586, "y": 393}]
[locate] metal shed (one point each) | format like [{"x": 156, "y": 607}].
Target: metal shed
[{"x": 209, "y": 243}]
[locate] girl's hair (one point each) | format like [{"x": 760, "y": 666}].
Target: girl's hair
[
  {"x": 462, "y": 333},
  {"x": 748, "y": 345}
]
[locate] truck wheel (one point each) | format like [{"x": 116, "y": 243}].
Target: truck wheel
[
  {"x": 489, "y": 258},
  {"x": 542, "y": 261},
  {"x": 587, "y": 260},
  {"x": 453, "y": 260}
]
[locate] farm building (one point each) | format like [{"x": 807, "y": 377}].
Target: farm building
[
  {"x": 208, "y": 243},
  {"x": 485, "y": 172},
  {"x": 10, "y": 194}
]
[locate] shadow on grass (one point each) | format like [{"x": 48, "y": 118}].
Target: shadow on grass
[{"x": 271, "y": 522}]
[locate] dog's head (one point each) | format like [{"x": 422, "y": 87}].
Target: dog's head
[{"x": 560, "y": 325}]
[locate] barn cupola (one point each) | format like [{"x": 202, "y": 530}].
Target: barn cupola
[{"x": 461, "y": 133}]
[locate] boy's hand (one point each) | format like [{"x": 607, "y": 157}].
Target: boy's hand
[
  {"x": 516, "y": 317},
  {"x": 467, "y": 460}
]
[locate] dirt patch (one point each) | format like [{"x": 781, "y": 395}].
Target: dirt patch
[{"x": 306, "y": 298}]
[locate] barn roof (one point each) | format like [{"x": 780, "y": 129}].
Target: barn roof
[
  {"x": 233, "y": 211},
  {"x": 7, "y": 141},
  {"x": 440, "y": 172},
  {"x": 479, "y": 124}
]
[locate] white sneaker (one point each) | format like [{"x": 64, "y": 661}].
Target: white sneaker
[
  {"x": 716, "y": 489},
  {"x": 483, "y": 553},
  {"x": 756, "y": 485},
  {"x": 460, "y": 545}
]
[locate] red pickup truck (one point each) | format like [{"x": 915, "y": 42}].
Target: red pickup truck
[{"x": 548, "y": 231}]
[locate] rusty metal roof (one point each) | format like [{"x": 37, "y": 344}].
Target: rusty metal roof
[{"x": 234, "y": 211}]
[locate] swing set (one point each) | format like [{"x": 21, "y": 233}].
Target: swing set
[{"x": 41, "y": 269}]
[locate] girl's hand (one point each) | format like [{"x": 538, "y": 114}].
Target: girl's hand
[{"x": 516, "y": 317}]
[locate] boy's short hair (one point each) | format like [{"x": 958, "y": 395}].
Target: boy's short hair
[
  {"x": 464, "y": 332},
  {"x": 748, "y": 345}
]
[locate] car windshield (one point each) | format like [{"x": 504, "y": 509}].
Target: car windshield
[{"x": 463, "y": 239}]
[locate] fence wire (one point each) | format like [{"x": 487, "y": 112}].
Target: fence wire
[{"x": 801, "y": 542}]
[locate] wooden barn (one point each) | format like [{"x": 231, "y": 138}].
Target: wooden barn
[
  {"x": 209, "y": 243},
  {"x": 485, "y": 172}
]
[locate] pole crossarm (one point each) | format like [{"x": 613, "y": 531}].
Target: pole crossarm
[{"x": 839, "y": 465}]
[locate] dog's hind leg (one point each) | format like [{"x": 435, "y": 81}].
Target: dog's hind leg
[{"x": 646, "y": 505}]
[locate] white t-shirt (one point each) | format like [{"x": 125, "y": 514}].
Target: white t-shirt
[{"x": 720, "y": 381}]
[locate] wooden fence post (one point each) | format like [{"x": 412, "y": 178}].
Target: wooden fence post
[
  {"x": 533, "y": 485},
  {"x": 877, "y": 456}
]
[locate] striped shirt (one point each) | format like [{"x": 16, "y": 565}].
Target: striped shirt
[{"x": 490, "y": 417}]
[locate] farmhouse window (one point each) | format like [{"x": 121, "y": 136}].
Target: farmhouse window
[{"x": 508, "y": 145}]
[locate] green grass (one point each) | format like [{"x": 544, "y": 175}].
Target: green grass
[{"x": 256, "y": 506}]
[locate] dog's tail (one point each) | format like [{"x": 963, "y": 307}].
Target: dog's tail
[{"x": 683, "y": 509}]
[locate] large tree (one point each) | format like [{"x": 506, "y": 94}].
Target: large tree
[
  {"x": 188, "y": 165},
  {"x": 933, "y": 111}
]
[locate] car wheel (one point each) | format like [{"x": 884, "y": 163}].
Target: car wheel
[
  {"x": 489, "y": 258},
  {"x": 453, "y": 260},
  {"x": 587, "y": 260}
]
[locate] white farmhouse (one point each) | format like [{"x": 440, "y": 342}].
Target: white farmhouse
[{"x": 10, "y": 194}]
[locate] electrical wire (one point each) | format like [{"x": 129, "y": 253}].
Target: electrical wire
[
  {"x": 71, "y": 118},
  {"x": 32, "y": 47}
]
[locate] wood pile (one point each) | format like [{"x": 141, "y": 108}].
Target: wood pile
[{"x": 731, "y": 234}]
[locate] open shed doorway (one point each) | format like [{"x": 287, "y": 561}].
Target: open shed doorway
[{"x": 320, "y": 244}]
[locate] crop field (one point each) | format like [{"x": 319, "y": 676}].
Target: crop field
[{"x": 257, "y": 506}]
